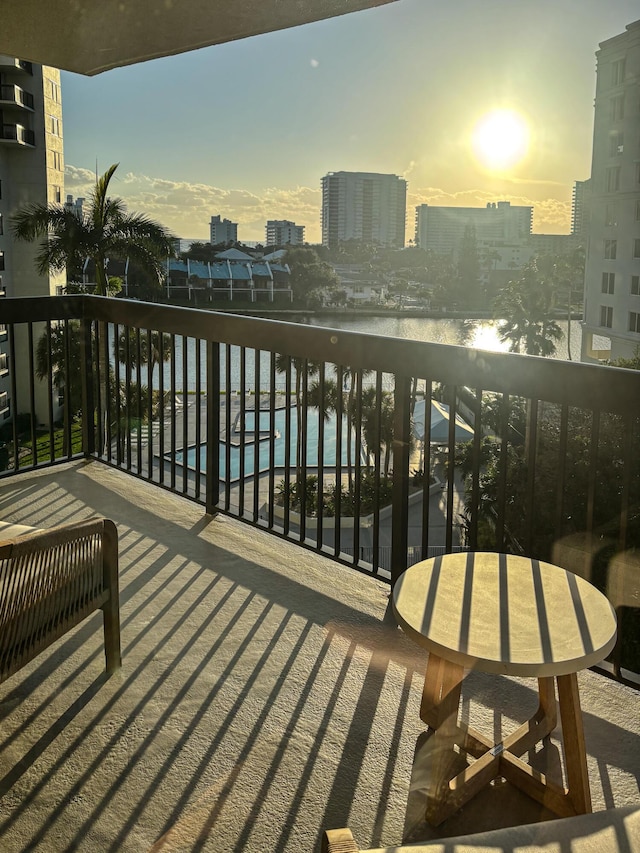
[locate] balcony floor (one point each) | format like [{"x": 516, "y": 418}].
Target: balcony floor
[{"x": 262, "y": 697}]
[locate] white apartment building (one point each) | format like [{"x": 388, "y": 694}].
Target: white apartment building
[
  {"x": 612, "y": 277},
  {"x": 281, "y": 232},
  {"x": 441, "y": 229},
  {"x": 31, "y": 171},
  {"x": 580, "y": 207},
  {"x": 363, "y": 206},
  {"x": 222, "y": 231}
]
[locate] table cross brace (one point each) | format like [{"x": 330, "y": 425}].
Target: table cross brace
[{"x": 448, "y": 791}]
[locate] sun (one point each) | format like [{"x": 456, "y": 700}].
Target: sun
[{"x": 500, "y": 139}]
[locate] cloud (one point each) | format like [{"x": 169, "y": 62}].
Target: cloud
[
  {"x": 314, "y": 63},
  {"x": 185, "y": 208}
]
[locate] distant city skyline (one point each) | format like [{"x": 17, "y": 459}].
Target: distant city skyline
[{"x": 397, "y": 90}]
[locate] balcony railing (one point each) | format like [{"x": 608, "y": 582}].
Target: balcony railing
[
  {"x": 320, "y": 436},
  {"x": 15, "y": 64},
  {"x": 14, "y": 95},
  {"x": 18, "y": 134}
]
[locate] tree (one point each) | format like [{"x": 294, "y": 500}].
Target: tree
[
  {"x": 149, "y": 352},
  {"x": 566, "y": 273},
  {"x": 302, "y": 369},
  {"x": 309, "y": 273},
  {"x": 105, "y": 230},
  {"x": 468, "y": 269},
  {"x": 526, "y": 305},
  {"x": 53, "y": 361}
]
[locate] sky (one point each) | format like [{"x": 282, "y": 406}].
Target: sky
[{"x": 246, "y": 130}]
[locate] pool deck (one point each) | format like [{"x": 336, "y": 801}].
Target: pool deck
[{"x": 437, "y": 509}]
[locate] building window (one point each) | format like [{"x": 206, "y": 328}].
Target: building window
[
  {"x": 617, "y": 72},
  {"x": 635, "y": 285},
  {"x": 610, "y": 249},
  {"x": 606, "y": 316},
  {"x": 54, "y": 91},
  {"x": 1, "y": 225},
  {"x": 54, "y": 125},
  {"x": 608, "y": 282},
  {"x": 636, "y": 249},
  {"x": 634, "y": 322},
  {"x": 617, "y": 108},
  {"x": 611, "y": 214},
  {"x": 637, "y": 210},
  {"x": 57, "y": 194},
  {"x": 612, "y": 182},
  {"x": 616, "y": 143},
  {"x": 56, "y": 156},
  {"x": 1, "y": 260}
]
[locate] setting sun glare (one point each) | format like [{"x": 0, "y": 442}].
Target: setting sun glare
[{"x": 500, "y": 139}]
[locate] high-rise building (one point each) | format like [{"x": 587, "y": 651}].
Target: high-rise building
[
  {"x": 580, "y": 208},
  {"x": 441, "y": 228},
  {"x": 222, "y": 231},
  {"x": 612, "y": 276},
  {"x": 76, "y": 205},
  {"x": 31, "y": 171},
  {"x": 363, "y": 206},
  {"x": 281, "y": 232}
]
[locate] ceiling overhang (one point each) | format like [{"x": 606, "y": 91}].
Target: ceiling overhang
[{"x": 90, "y": 36}]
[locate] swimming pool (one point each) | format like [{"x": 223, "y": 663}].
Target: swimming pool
[{"x": 246, "y": 444}]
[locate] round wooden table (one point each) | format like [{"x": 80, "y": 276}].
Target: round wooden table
[{"x": 509, "y": 615}]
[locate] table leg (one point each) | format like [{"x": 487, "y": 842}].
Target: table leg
[
  {"x": 449, "y": 788},
  {"x": 446, "y": 684},
  {"x": 575, "y": 753},
  {"x": 432, "y": 693}
]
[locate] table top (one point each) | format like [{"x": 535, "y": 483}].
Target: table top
[{"x": 506, "y": 614}]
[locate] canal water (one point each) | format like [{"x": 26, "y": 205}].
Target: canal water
[{"x": 480, "y": 334}]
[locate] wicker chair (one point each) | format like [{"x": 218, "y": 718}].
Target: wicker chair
[{"x": 50, "y": 580}]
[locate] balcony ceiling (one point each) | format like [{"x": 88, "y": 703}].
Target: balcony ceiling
[{"x": 90, "y": 36}]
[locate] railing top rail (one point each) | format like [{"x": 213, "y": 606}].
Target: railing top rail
[{"x": 575, "y": 384}]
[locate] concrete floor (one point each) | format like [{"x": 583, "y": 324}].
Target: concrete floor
[{"x": 262, "y": 697}]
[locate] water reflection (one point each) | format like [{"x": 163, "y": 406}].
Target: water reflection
[{"x": 479, "y": 334}]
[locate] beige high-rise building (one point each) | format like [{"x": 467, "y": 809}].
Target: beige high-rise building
[
  {"x": 612, "y": 276},
  {"x": 31, "y": 171},
  {"x": 440, "y": 229},
  {"x": 363, "y": 206},
  {"x": 282, "y": 232}
]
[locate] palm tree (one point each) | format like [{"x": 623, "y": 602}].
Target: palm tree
[
  {"x": 153, "y": 348},
  {"x": 354, "y": 380},
  {"x": 302, "y": 368},
  {"x": 104, "y": 231},
  {"x": 377, "y": 426},
  {"x": 527, "y": 307}
]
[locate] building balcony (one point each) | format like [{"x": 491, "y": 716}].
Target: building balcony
[
  {"x": 265, "y": 694},
  {"x": 17, "y": 134},
  {"x": 14, "y": 64},
  {"x": 14, "y": 96}
]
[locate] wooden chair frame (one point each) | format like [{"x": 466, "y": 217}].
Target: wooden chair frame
[{"x": 50, "y": 581}]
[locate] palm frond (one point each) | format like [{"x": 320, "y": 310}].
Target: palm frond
[{"x": 36, "y": 220}]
